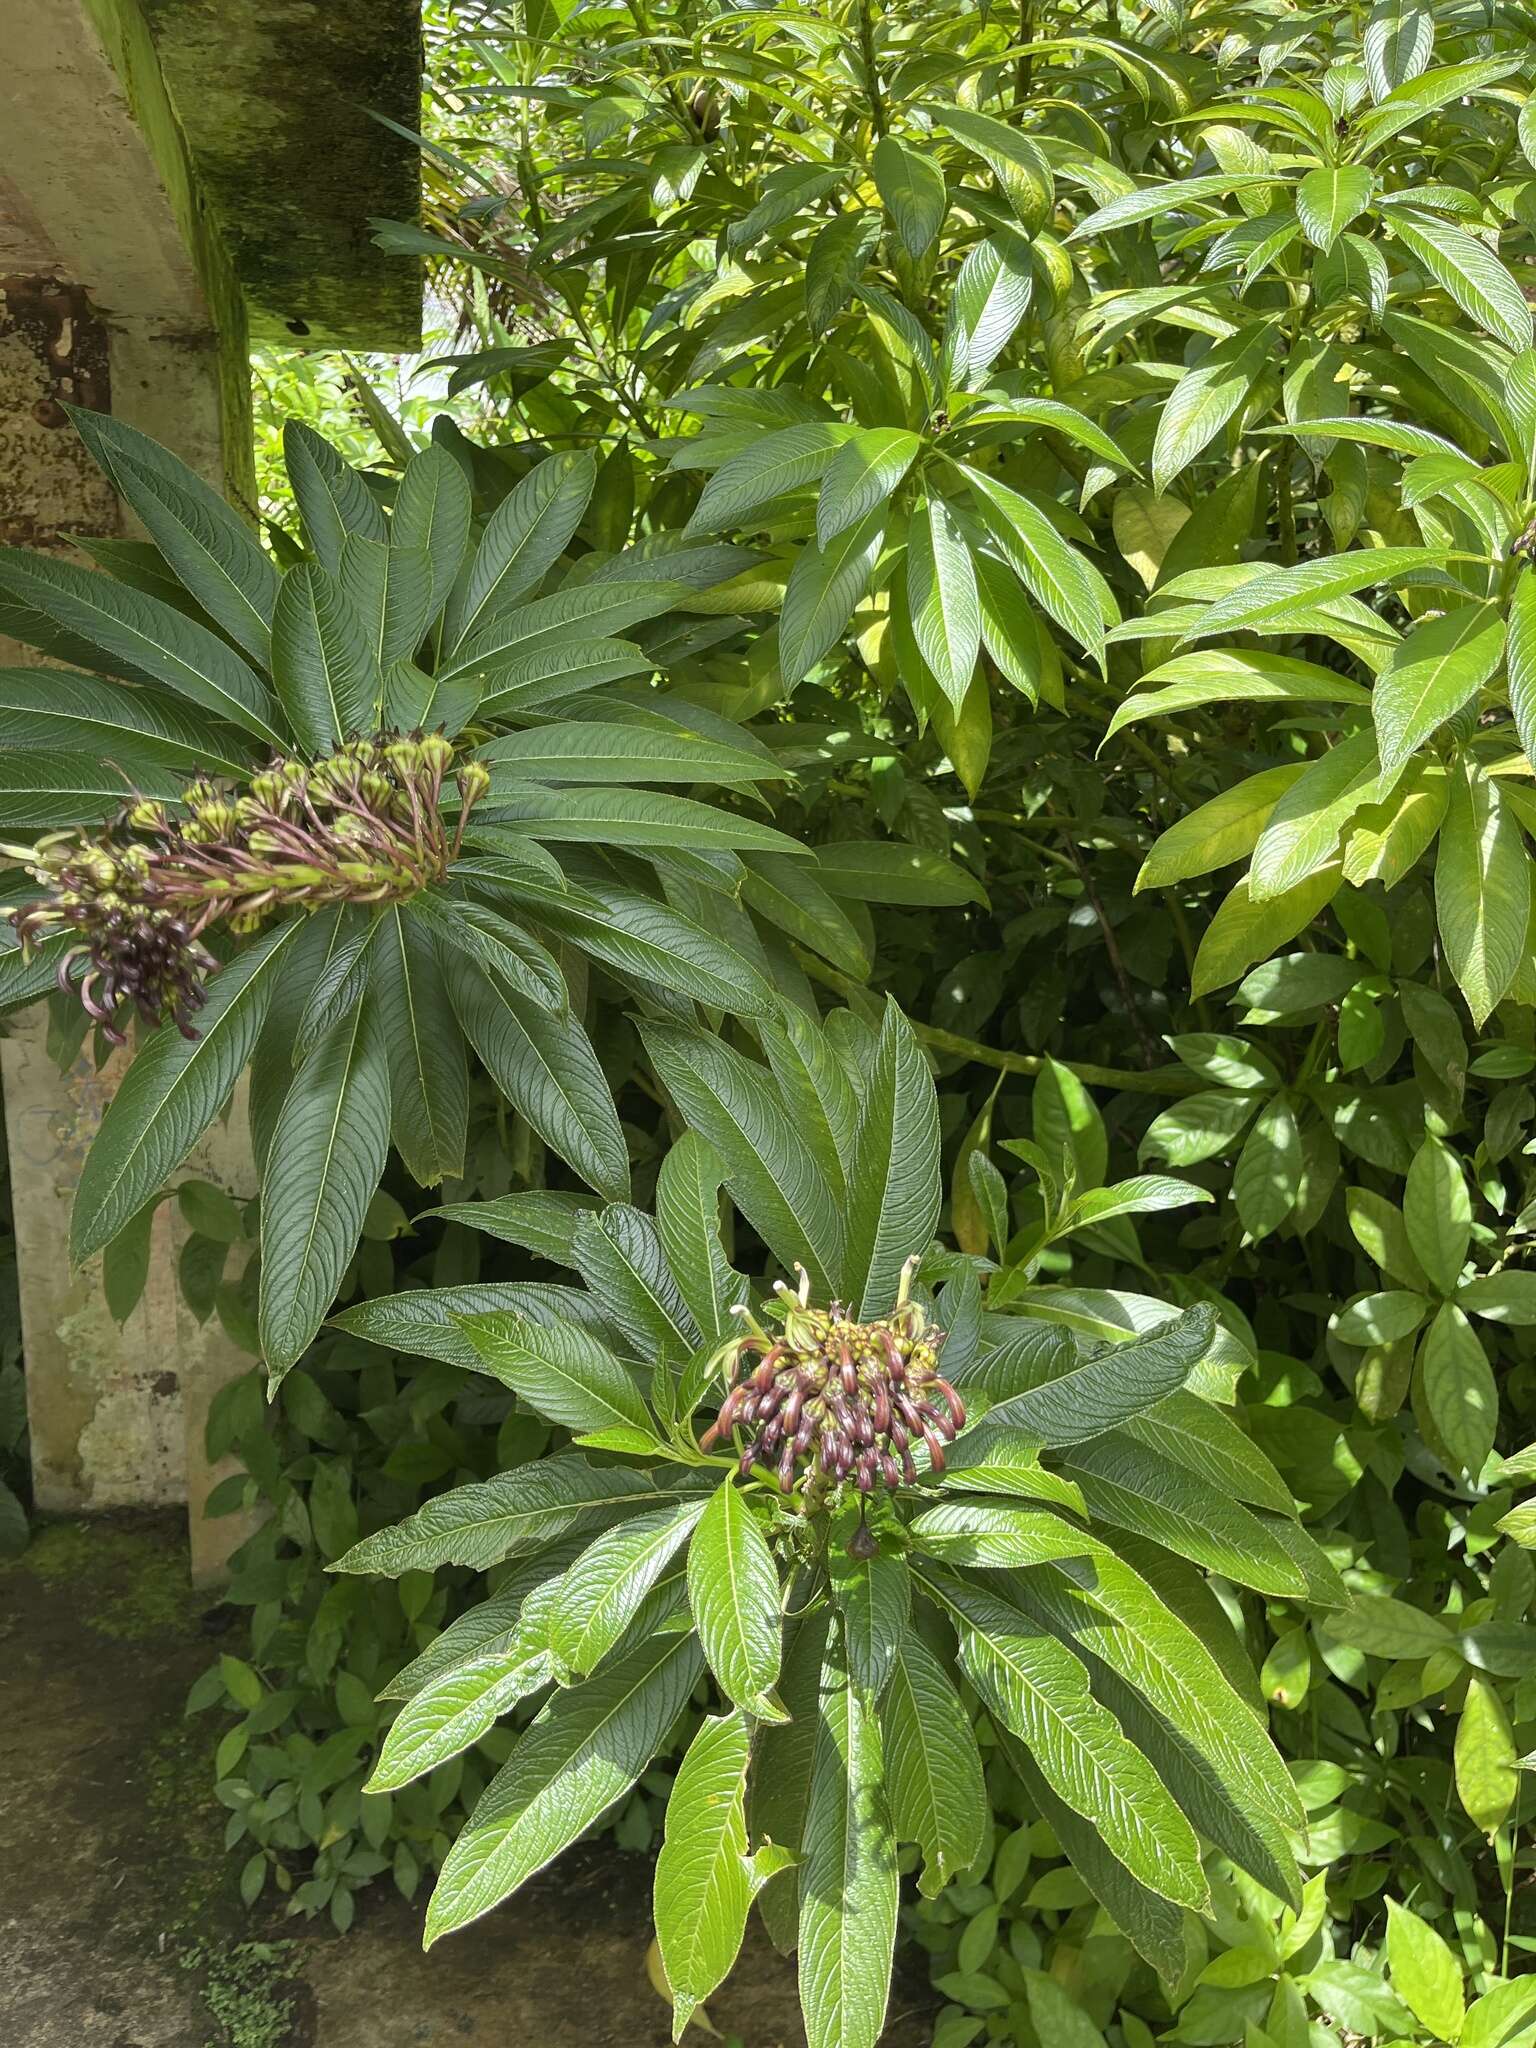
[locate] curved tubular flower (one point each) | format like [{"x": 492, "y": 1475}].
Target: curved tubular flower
[
  {"x": 833, "y": 1399},
  {"x": 362, "y": 825}
]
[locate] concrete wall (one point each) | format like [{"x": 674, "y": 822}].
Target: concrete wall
[
  {"x": 115, "y": 292},
  {"x": 169, "y": 169}
]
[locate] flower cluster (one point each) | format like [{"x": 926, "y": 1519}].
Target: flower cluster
[
  {"x": 362, "y": 825},
  {"x": 833, "y": 1399}
]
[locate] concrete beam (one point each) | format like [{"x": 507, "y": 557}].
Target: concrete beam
[{"x": 277, "y": 99}]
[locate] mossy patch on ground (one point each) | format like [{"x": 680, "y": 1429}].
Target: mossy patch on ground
[
  {"x": 246, "y": 1988},
  {"x": 125, "y": 1583},
  {"x": 121, "y": 1904}
]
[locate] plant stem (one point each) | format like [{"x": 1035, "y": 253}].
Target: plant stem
[
  {"x": 1023, "y": 76},
  {"x": 1112, "y": 948},
  {"x": 877, "y": 119},
  {"x": 1164, "y": 1080}
]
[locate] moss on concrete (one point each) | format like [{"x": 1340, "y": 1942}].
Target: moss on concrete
[
  {"x": 277, "y": 99},
  {"x": 126, "y": 38}
]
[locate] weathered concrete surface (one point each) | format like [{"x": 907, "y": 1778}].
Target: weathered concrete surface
[
  {"x": 117, "y": 1920},
  {"x": 277, "y": 99},
  {"x": 54, "y": 351},
  {"x": 116, "y": 1410},
  {"x": 118, "y": 294},
  {"x": 99, "y": 184}
]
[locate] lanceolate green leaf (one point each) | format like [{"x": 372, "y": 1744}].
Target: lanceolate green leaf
[
  {"x": 1431, "y": 673},
  {"x": 617, "y": 1250},
  {"x": 1109, "y": 1389},
  {"x": 1225, "y": 675},
  {"x": 210, "y": 547},
  {"x": 1016, "y": 159},
  {"x": 688, "y": 1220},
  {"x": 874, "y": 1598},
  {"x": 848, "y": 1878},
  {"x": 932, "y": 1765},
  {"x": 1329, "y": 198},
  {"x": 511, "y": 1515},
  {"x": 546, "y": 1068},
  {"x": 432, "y": 512},
  {"x": 524, "y": 537},
  {"x": 1522, "y": 660},
  {"x": 1206, "y": 398},
  {"x": 824, "y": 586},
  {"x": 450, "y": 1715},
  {"x": 894, "y": 1185},
  {"x": 1458, "y": 1392},
  {"x": 649, "y": 939},
  {"x": 559, "y": 1369},
  {"x": 1472, "y": 275},
  {"x": 941, "y": 592},
  {"x": 912, "y": 188},
  {"x": 426, "y": 1322},
  {"x": 326, "y": 673},
  {"x": 541, "y": 1220},
  {"x": 507, "y": 953},
  {"x": 1482, "y": 889},
  {"x": 428, "y": 1078},
  {"x": 1113, "y": 1612},
  {"x": 1204, "y": 1438},
  {"x": 770, "y": 1171},
  {"x": 1425, "y": 1972},
  {"x": 631, "y": 817},
  {"x": 590, "y": 750},
  {"x": 991, "y": 296},
  {"x": 1153, "y": 1923},
  {"x": 1126, "y": 1483},
  {"x": 390, "y": 589},
  {"x": 1302, "y": 832},
  {"x": 490, "y": 1625},
  {"x": 1398, "y": 41},
  {"x": 141, "y": 637},
  {"x": 779, "y": 463},
  {"x": 519, "y": 654},
  {"x": 1148, "y": 201},
  {"x": 1039, "y": 1691},
  {"x": 172, "y": 1092},
  {"x": 1217, "y": 832},
  {"x": 600, "y": 1594},
  {"x": 49, "y": 710},
  {"x": 328, "y": 1154},
  {"x": 733, "y": 1589},
  {"x": 881, "y": 871},
  {"x": 39, "y": 787},
  {"x": 332, "y": 498},
  {"x": 584, "y": 1752},
  {"x": 1437, "y": 1212},
  {"x": 704, "y": 1876},
  {"x": 861, "y": 477},
  {"x": 1277, "y": 592},
  {"x": 835, "y": 262},
  {"x": 817, "y": 1093},
  {"x": 1069, "y": 588}
]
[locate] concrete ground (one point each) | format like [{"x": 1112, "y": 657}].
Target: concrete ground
[{"x": 119, "y": 1927}]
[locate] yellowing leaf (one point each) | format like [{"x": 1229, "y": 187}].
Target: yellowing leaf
[
  {"x": 1243, "y": 932},
  {"x": 1486, "y": 1757}
]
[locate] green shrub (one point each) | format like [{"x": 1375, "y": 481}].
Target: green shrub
[{"x": 1114, "y": 432}]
